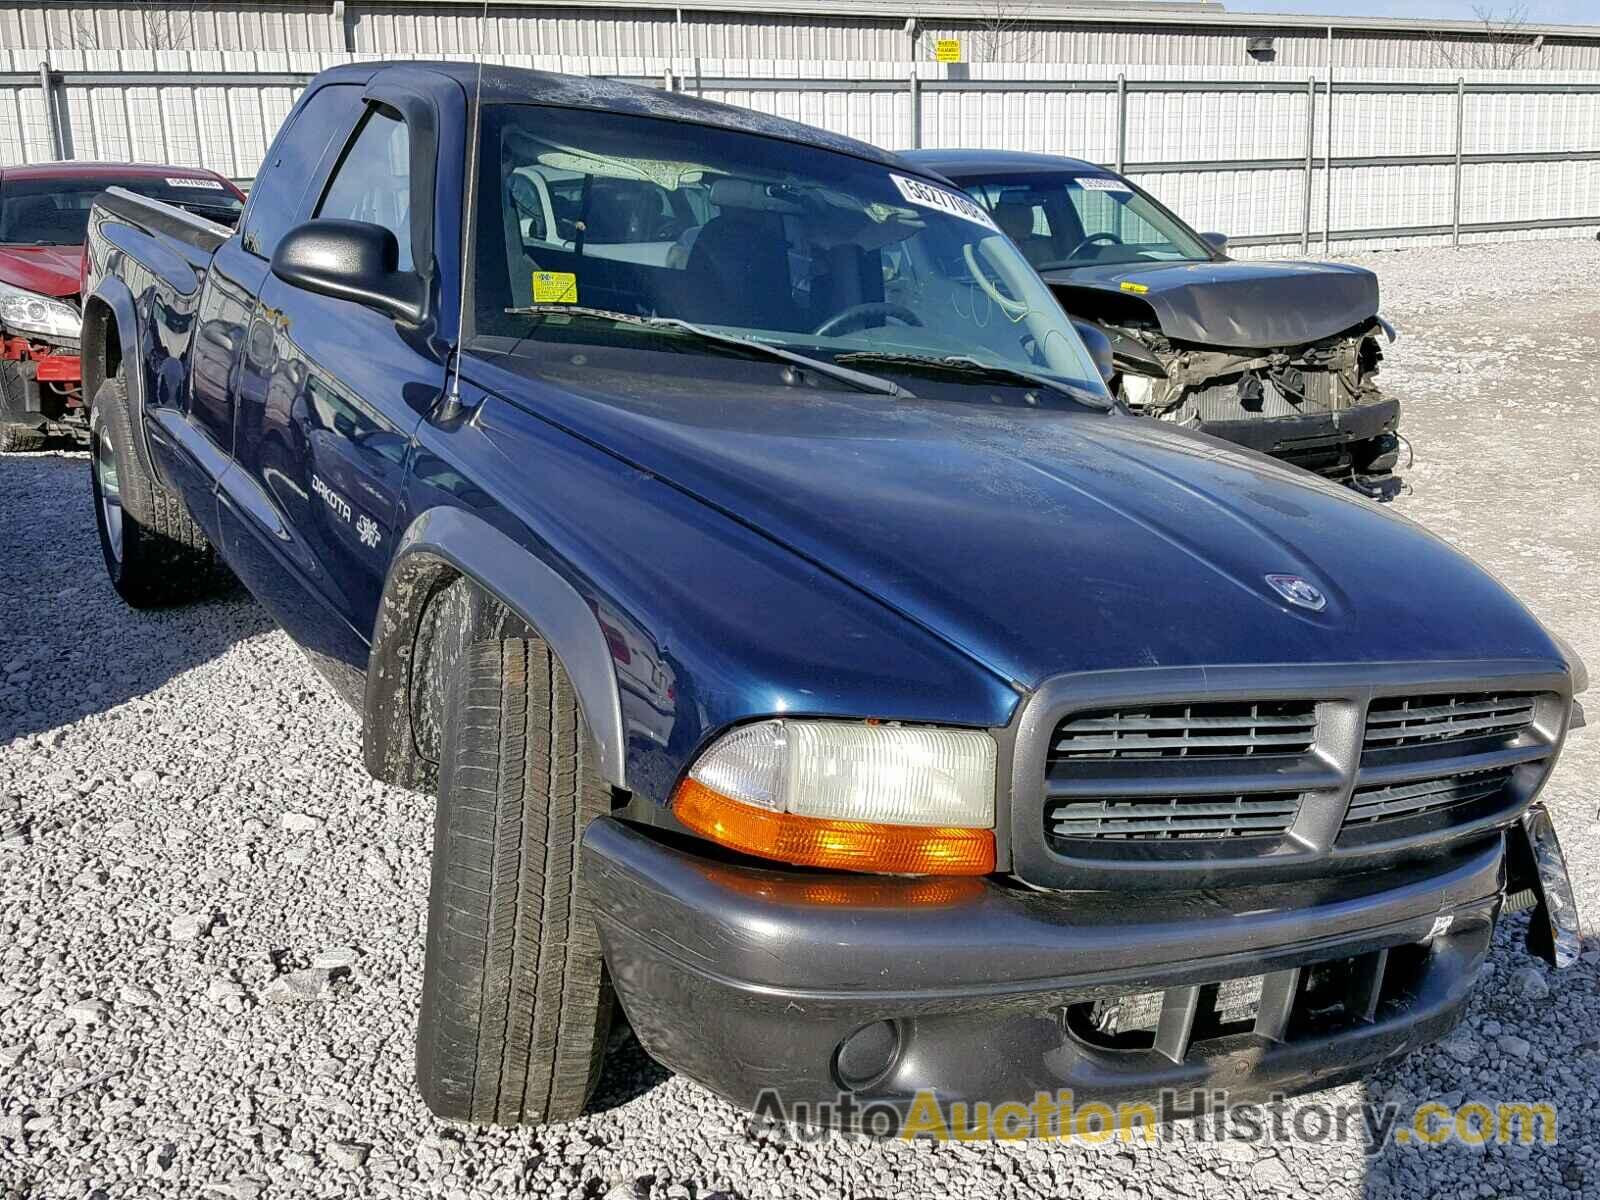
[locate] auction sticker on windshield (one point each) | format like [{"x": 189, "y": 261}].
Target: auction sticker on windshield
[
  {"x": 555, "y": 287},
  {"x": 928, "y": 196},
  {"x": 211, "y": 185},
  {"x": 1101, "y": 183}
]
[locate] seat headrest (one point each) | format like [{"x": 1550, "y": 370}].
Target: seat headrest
[{"x": 1015, "y": 219}]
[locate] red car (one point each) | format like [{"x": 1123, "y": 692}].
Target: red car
[{"x": 44, "y": 212}]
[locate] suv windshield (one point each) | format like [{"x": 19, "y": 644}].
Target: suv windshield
[
  {"x": 808, "y": 249},
  {"x": 55, "y": 212},
  {"x": 1084, "y": 218}
]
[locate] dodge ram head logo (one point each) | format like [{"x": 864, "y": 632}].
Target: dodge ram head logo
[{"x": 1299, "y": 591}]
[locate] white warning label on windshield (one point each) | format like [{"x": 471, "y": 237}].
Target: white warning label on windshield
[
  {"x": 944, "y": 200},
  {"x": 211, "y": 185},
  {"x": 1101, "y": 183}
]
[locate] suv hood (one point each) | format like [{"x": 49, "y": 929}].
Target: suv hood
[
  {"x": 1041, "y": 541},
  {"x": 47, "y": 270},
  {"x": 1237, "y": 305}
]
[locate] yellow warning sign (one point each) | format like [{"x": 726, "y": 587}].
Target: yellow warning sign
[
  {"x": 947, "y": 50},
  {"x": 555, "y": 287}
]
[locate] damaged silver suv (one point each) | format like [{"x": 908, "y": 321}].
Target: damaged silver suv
[{"x": 1281, "y": 357}]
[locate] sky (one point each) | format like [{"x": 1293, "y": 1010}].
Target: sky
[{"x": 1554, "y": 12}]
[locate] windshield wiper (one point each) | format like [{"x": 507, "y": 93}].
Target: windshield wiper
[
  {"x": 857, "y": 379},
  {"x": 963, "y": 364}
]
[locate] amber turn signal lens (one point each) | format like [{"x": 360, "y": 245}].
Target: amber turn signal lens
[{"x": 840, "y": 845}]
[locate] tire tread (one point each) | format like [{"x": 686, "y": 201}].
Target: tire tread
[{"x": 515, "y": 1004}]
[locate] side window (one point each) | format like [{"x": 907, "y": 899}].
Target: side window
[
  {"x": 527, "y": 199},
  {"x": 280, "y": 185},
  {"x": 373, "y": 181},
  {"x": 615, "y": 216}
]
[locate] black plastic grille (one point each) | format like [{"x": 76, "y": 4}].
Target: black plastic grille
[
  {"x": 1164, "y": 778},
  {"x": 1417, "y": 720},
  {"x": 1204, "y": 730},
  {"x": 1259, "y": 814},
  {"x": 1397, "y": 800}
]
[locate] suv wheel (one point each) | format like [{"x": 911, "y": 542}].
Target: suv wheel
[
  {"x": 154, "y": 552},
  {"x": 515, "y": 1001}
]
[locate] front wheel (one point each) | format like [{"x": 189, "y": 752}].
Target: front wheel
[
  {"x": 154, "y": 552},
  {"x": 515, "y": 1000},
  {"x": 18, "y": 439}
]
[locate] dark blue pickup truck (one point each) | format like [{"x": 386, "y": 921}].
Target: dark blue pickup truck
[{"x": 810, "y": 658}]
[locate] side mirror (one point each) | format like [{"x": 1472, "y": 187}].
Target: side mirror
[
  {"x": 350, "y": 260},
  {"x": 1098, "y": 345},
  {"x": 1217, "y": 241}
]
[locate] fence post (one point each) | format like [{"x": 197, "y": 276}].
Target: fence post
[
  {"x": 914, "y": 84},
  {"x": 1455, "y": 202},
  {"x": 1311, "y": 150},
  {"x": 52, "y": 117},
  {"x": 1122, "y": 124},
  {"x": 1327, "y": 173}
]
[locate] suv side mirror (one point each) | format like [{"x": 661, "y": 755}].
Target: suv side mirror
[
  {"x": 350, "y": 260},
  {"x": 1217, "y": 241},
  {"x": 1099, "y": 347}
]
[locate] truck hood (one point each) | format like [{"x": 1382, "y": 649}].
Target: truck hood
[
  {"x": 1237, "y": 305},
  {"x": 46, "y": 270},
  {"x": 1041, "y": 541}
]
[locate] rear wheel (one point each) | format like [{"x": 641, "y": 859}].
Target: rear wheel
[
  {"x": 515, "y": 1002},
  {"x": 154, "y": 552}
]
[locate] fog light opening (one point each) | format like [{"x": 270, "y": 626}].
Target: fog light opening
[{"x": 867, "y": 1056}]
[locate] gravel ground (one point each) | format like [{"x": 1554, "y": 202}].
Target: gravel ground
[{"x": 211, "y": 919}]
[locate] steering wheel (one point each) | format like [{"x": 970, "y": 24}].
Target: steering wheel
[
  {"x": 863, "y": 316},
  {"x": 1107, "y": 237}
]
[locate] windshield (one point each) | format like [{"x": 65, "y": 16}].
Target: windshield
[
  {"x": 814, "y": 251},
  {"x": 1084, "y": 218},
  {"x": 55, "y": 212}
]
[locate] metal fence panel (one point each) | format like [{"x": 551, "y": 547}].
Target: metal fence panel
[{"x": 1241, "y": 152}]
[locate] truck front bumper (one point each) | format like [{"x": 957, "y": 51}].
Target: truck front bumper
[{"x": 811, "y": 986}]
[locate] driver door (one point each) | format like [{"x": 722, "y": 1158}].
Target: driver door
[{"x": 325, "y": 432}]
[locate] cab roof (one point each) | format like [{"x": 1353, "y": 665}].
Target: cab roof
[
  {"x": 80, "y": 169},
  {"x": 521, "y": 84},
  {"x": 969, "y": 163}
]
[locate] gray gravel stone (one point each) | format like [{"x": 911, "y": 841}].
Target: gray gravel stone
[
  {"x": 88, "y": 1012},
  {"x": 1530, "y": 983},
  {"x": 1462, "y": 1046},
  {"x": 297, "y": 987},
  {"x": 1515, "y": 1046},
  {"x": 189, "y": 927},
  {"x": 348, "y": 1155},
  {"x": 137, "y": 997},
  {"x": 335, "y": 958}
]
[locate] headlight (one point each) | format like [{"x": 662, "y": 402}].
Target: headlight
[
  {"x": 899, "y": 799},
  {"x": 26, "y": 312}
]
